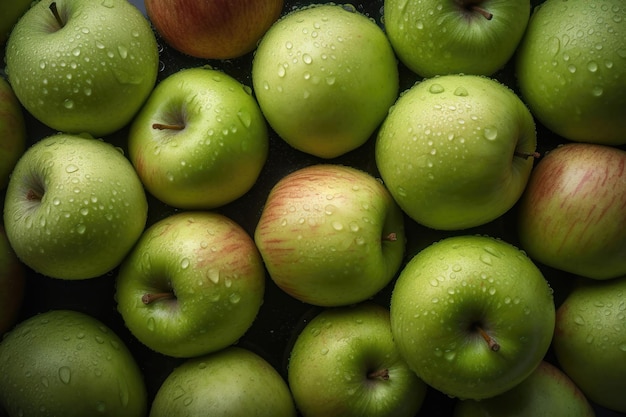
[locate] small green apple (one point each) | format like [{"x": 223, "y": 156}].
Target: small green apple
[
  {"x": 455, "y": 36},
  {"x": 456, "y": 151},
  {"x": 214, "y": 29},
  {"x": 12, "y": 281},
  {"x": 12, "y": 132},
  {"x": 82, "y": 66},
  {"x": 472, "y": 316},
  {"x": 200, "y": 141},
  {"x": 571, "y": 216},
  {"x": 571, "y": 69},
  {"x": 345, "y": 363},
  {"x": 590, "y": 340},
  {"x": 325, "y": 77},
  {"x": 67, "y": 363},
  {"x": 192, "y": 285},
  {"x": 74, "y": 207},
  {"x": 547, "y": 392},
  {"x": 330, "y": 235},
  {"x": 234, "y": 382},
  {"x": 10, "y": 13}
]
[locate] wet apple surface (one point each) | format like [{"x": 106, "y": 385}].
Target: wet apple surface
[{"x": 281, "y": 317}]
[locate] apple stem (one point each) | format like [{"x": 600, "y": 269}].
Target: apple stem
[
  {"x": 526, "y": 155},
  {"x": 55, "y": 13},
  {"x": 391, "y": 237},
  {"x": 379, "y": 374},
  {"x": 150, "y": 298},
  {"x": 493, "y": 345},
  {"x": 473, "y": 5},
  {"x": 482, "y": 11},
  {"x": 164, "y": 126}
]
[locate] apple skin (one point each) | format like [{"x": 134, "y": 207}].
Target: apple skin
[
  {"x": 547, "y": 392},
  {"x": 447, "y": 151},
  {"x": 12, "y": 132},
  {"x": 12, "y": 281},
  {"x": 74, "y": 207},
  {"x": 220, "y": 151},
  {"x": 10, "y": 13},
  {"x": 330, "y": 235},
  {"x": 452, "y": 38},
  {"x": 571, "y": 216},
  {"x": 345, "y": 363},
  {"x": 571, "y": 69},
  {"x": 213, "y": 29},
  {"x": 234, "y": 382},
  {"x": 451, "y": 290},
  {"x": 103, "y": 61},
  {"x": 213, "y": 278},
  {"x": 325, "y": 77},
  {"x": 67, "y": 363},
  {"x": 589, "y": 340}
]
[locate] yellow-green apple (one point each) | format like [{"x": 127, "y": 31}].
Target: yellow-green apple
[
  {"x": 82, "y": 66},
  {"x": 572, "y": 216},
  {"x": 571, "y": 69},
  {"x": 10, "y": 13},
  {"x": 12, "y": 280},
  {"x": 590, "y": 342},
  {"x": 325, "y": 77},
  {"x": 67, "y": 363},
  {"x": 12, "y": 131},
  {"x": 234, "y": 382},
  {"x": 330, "y": 235},
  {"x": 213, "y": 29},
  {"x": 200, "y": 141},
  {"x": 345, "y": 363},
  {"x": 74, "y": 207},
  {"x": 472, "y": 315},
  {"x": 456, "y": 151},
  {"x": 455, "y": 36},
  {"x": 192, "y": 285},
  {"x": 548, "y": 391}
]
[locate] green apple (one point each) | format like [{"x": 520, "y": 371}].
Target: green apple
[
  {"x": 10, "y": 13},
  {"x": 192, "y": 285},
  {"x": 200, "y": 141},
  {"x": 547, "y": 392},
  {"x": 456, "y": 151},
  {"x": 12, "y": 281},
  {"x": 571, "y": 216},
  {"x": 214, "y": 29},
  {"x": 330, "y": 235},
  {"x": 67, "y": 363},
  {"x": 82, "y": 66},
  {"x": 74, "y": 207},
  {"x": 234, "y": 382},
  {"x": 590, "y": 342},
  {"x": 455, "y": 36},
  {"x": 12, "y": 132},
  {"x": 325, "y": 77},
  {"x": 345, "y": 363},
  {"x": 571, "y": 69},
  {"x": 472, "y": 316}
]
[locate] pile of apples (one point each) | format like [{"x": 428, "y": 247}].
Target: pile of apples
[{"x": 235, "y": 208}]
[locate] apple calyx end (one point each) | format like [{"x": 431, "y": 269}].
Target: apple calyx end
[
  {"x": 391, "y": 237},
  {"x": 165, "y": 126},
  {"x": 149, "y": 298},
  {"x": 55, "y": 12},
  {"x": 32, "y": 195},
  {"x": 491, "y": 342},
  {"x": 379, "y": 374}
]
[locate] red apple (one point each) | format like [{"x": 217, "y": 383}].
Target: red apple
[
  {"x": 573, "y": 211},
  {"x": 213, "y": 29},
  {"x": 11, "y": 284}
]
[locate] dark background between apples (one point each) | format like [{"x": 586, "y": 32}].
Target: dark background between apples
[{"x": 280, "y": 317}]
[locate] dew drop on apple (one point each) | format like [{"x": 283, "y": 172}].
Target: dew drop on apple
[
  {"x": 68, "y": 104},
  {"x": 65, "y": 374},
  {"x": 436, "y": 89},
  {"x": 150, "y": 324},
  {"x": 490, "y": 133},
  {"x": 234, "y": 298}
]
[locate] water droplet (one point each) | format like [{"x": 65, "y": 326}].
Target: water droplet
[
  {"x": 65, "y": 374},
  {"x": 281, "y": 71},
  {"x": 245, "y": 118},
  {"x": 461, "y": 92},
  {"x": 579, "y": 320},
  {"x": 71, "y": 168},
  {"x": 151, "y": 324},
  {"x": 68, "y": 104},
  {"x": 214, "y": 275},
  {"x": 554, "y": 45},
  {"x": 81, "y": 228},
  {"x": 486, "y": 259},
  {"x": 592, "y": 66},
  {"x": 306, "y": 58},
  {"x": 436, "y": 89},
  {"x": 184, "y": 264},
  {"x": 122, "y": 51},
  {"x": 622, "y": 347},
  {"x": 597, "y": 91},
  {"x": 490, "y": 133},
  {"x": 324, "y": 351},
  {"x": 337, "y": 226},
  {"x": 234, "y": 298}
]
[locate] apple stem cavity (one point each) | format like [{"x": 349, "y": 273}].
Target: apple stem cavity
[
  {"x": 379, "y": 374},
  {"x": 55, "y": 12},
  {"x": 149, "y": 298},
  {"x": 32, "y": 195},
  {"x": 493, "y": 345},
  {"x": 164, "y": 126},
  {"x": 474, "y": 6}
]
